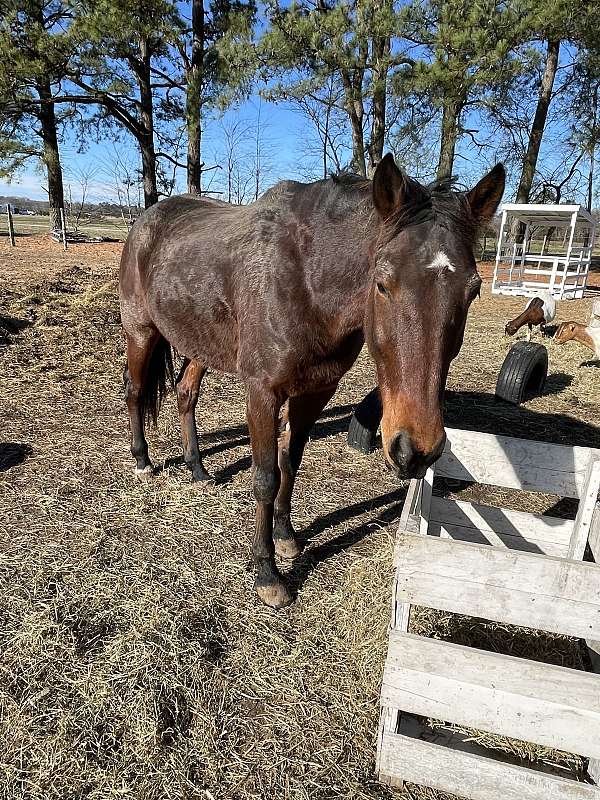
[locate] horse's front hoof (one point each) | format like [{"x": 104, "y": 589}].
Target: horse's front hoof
[
  {"x": 143, "y": 473},
  {"x": 200, "y": 474},
  {"x": 287, "y": 548},
  {"x": 275, "y": 595}
]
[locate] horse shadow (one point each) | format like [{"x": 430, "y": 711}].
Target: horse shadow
[
  {"x": 477, "y": 411},
  {"x": 12, "y": 454}
]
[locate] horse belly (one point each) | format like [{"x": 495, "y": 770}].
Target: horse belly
[{"x": 197, "y": 327}]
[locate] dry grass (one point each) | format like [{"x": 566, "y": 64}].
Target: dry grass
[{"x": 135, "y": 661}]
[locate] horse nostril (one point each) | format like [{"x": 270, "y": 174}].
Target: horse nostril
[{"x": 410, "y": 462}]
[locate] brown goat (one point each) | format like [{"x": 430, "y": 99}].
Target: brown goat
[
  {"x": 578, "y": 332},
  {"x": 540, "y": 310}
]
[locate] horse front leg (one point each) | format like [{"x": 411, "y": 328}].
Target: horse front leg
[
  {"x": 303, "y": 412},
  {"x": 263, "y": 422}
]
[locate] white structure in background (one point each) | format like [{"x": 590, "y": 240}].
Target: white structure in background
[{"x": 554, "y": 255}]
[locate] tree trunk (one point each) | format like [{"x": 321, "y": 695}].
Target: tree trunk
[
  {"x": 146, "y": 137},
  {"x": 590, "y": 192},
  {"x": 355, "y": 111},
  {"x": 592, "y": 153},
  {"x": 381, "y": 50},
  {"x": 539, "y": 121},
  {"x": 51, "y": 155},
  {"x": 449, "y": 137},
  {"x": 193, "y": 100}
]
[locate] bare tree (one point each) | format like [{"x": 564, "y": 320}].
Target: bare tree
[
  {"x": 83, "y": 176},
  {"x": 323, "y": 107}
]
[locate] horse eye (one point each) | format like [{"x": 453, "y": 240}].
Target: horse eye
[{"x": 382, "y": 289}]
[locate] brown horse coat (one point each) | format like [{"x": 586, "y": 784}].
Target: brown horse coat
[{"x": 283, "y": 292}]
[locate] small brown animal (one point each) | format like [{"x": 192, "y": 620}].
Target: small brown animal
[
  {"x": 584, "y": 334},
  {"x": 540, "y": 310}
]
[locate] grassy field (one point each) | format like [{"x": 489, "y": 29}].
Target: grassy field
[
  {"x": 135, "y": 660},
  {"x": 111, "y": 227}
]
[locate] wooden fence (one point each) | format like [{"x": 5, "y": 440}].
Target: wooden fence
[{"x": 513, "y": 568}]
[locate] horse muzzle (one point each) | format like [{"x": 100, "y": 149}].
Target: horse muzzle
[{"x": 407, "y": 460}]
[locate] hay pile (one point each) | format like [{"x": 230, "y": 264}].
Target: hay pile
[{"x": 135, "y": 661}]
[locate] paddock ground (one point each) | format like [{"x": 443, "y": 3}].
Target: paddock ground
[{"x": 135, "y": 661}]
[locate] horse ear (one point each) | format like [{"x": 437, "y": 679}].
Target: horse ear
[
  {"x": 390, "y": 187},
  {"x": 485, "y": 197}
]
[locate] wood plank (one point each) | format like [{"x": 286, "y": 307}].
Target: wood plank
[
  {"x": 389, "y": 720},
  {"x": 503, "y": 527},
  {"x": 587, "y": 505},
  {"x": 536, "y": 591},
  {"x": 411, "y": 508},
  {"x": 594, "y": 770},
  {"x": 426, "y": 496},
  {"x": 594, "y": 534},
  {"x": 515, "y": 463},
  {"x": 541, "y": 703},
  {"x": 461, "y": 534},
  {"x": 472, "y": 776}
]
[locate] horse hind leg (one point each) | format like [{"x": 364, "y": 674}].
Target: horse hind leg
[
  {"x": 188, "y": 389},
  {"x": 146, "y": 373}
]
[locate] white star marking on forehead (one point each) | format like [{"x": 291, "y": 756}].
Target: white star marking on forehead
[{"x": 441, "y": 261}]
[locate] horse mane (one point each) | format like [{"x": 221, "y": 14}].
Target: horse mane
[{"x": 437, "y": 202}]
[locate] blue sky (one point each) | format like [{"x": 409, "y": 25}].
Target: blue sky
[{"x": 284, "y": 134}]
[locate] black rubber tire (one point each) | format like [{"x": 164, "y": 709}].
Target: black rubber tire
[
  {"x": 362, "y": 431},
  {"x": 523, "y": 373}
]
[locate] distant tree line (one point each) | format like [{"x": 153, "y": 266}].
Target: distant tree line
[{"x": 421, "y": 78}]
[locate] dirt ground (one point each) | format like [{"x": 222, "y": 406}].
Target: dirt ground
[{"x": 135, "y": 660}]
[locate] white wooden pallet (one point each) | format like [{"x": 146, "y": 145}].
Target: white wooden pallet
[{"x": 532, "y": 575}]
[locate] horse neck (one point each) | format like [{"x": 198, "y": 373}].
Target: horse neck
[{"x": 354, "y": 270}]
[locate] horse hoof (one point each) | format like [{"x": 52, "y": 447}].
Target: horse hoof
[
  {"x": 287, "y": 548},
  {"x": 200, "y": 474},
  {"x": 145, "y": 472},
  {"x": 275, "y": 595}
]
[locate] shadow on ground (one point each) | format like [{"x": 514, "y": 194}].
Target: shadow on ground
[{"x": 12, "y": 454}]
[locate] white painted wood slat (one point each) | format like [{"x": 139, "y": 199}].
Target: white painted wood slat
[
  {"x": 528, "y": 589},
  {"x": 411, "y": 509},
  {"x": 515, "y": 463},
  {"x": 468, "y": 775},
  {"x": 541, "y": 703},
  {"x": 594, "y": 534},
  {"x": 518, "y": 530},
  {"x": 587, "y": 505}
]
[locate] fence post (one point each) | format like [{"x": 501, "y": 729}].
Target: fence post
[
  {"x": 63, "y": 228},
  {"x": 11, "y": 230}
]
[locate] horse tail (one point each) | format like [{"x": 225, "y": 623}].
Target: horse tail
[{"x": 160, "y": 378}]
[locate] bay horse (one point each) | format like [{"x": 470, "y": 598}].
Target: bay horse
[{"x": 284, "y": 292}]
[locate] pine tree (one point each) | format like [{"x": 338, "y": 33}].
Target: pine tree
[
  {"x": 465, "y": 56},
  {"x": 121, "y": 44},
  {"x": 204, "y": 76},
  {"x": 306, "y": 45},
  {"x": 35, "y": 48}
]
